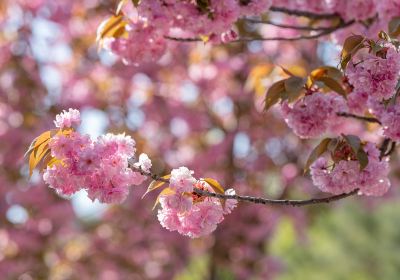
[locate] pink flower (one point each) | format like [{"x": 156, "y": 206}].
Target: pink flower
[
  {"x": 188, "y": 213},
  {"x": 314, "y": 114},
  {"x": 355, "y": 9},
  {"x": 390, "y": 119},
  {"x": 375, "y": 76},
  {"x": 169, "y": 219},
  {"x": 230, "y": 204},
  {"x": 201, "y": 220},
  {"x": 68, "y": 118},
  {"x": 100, "y": 167},
  {"x": 144, "y": 162},
  {"x": 182, "y": 180},
  {"x": 144, "y": 44},
  {"x": 177, "y": 201},
  {"x": 346, "y": 176}
]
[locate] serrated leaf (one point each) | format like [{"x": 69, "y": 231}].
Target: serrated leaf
[
  {"x": 321, "y": 148},
  {"x": 351, "y": 45},
  {"x": 394, "y": 27},
  {"x": 215, "y": 185},
  {"x": 166, "y": 191},
  {"x": 354, "y": 142},
  {"x": 156, "y": 184},
  {"x": 274, "y": 94},
  {"x": 333, "y": 85},
  {"x": 362, "y": 158}
]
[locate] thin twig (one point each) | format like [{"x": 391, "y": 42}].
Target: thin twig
[
  {"x": 287, "y": 26},
  {"x": 252, "y": 199},
  {"x": 287, "y": 39},
  {"x": 304, "y": 13},
  {"x": 362, "y": 118}
]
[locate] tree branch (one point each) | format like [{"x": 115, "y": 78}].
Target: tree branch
[
  {"x": 325, "y": 32},
  {"x": 252, "y": 199},
  {"x": 362, "y": 118},
  {"x": 303, "y": 13},
  {"x": 286, "y": 26}
]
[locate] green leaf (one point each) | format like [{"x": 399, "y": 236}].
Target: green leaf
[
  {"x": 333, "y": 85},
  {"x": 362, "y": 158},
  {"x": 274, "y": 94},
  {"x": 394, "y": 27},
  {"x": 156, "y": 184},
  {"x": 354, "y": 142},
  {"x": 351, "y": 45},
  {"x": 321, "y": 148}
]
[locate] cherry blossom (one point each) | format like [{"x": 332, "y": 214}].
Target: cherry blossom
[
  {"x": 346, "y": 176},
  {"x": 184, "y": 211},
  {"x": 67, "y": 119},
  {"x": 314, "y": 114}
]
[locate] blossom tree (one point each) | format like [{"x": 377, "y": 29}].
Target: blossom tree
[{"x": 238, "y": 93}]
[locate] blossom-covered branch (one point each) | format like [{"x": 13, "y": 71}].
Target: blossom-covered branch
[
  {"x": 324, "y": 32},
  {"x": 252, "y": 199},
  {"x": 362, "y": 118},
  {"x": 307, "y": 14}
]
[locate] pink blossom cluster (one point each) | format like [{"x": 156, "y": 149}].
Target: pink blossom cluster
[
  {"x": 153, "y": 20},
  {"x": 345, "y": 176},
  {"x": 184, "y": 211},
  {"x": 67, "y": 119},
  {"x": 157, "y": 19},
  {"x": 144, "y": 44},
  {"x": 314, "y": 114},
  {"x": 374, "y": 76},
  {"x": 348, "y": 10},
  {"x": 389, "y": 116},
  {"x": 100, "y": 166}
]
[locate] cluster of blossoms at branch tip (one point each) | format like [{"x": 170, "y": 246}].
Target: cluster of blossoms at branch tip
[
  {"x": 67, "y": 119},
  {"x": 99, "y": 166},
  {"x": 374, "y": 79},
  {"x": 188, "y": 213},
  {"x": 344, "y": 175},
  {"x": 314, "y": 114}
]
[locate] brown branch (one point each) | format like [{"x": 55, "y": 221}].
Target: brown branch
[
  {"x": 287, "y": 39},
  {"x": 303, "y": 13},
  {"x": 286, "y": 26},
  {"x": 252, "y": 199},
  {"x": 362, "y": 118}
]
